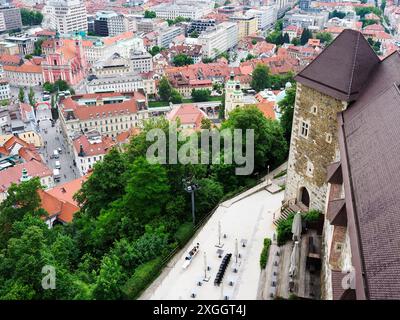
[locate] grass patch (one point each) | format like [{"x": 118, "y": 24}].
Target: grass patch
[
  {"x": 156, "y": 104},
  {"x": 265, "y": 253}
]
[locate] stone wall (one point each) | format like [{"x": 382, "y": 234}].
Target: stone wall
[{"x": 309, "y": 157}]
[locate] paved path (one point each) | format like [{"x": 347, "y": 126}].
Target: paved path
[{"x": 249, "y": 218}]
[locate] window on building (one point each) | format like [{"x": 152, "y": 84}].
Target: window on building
[
  {"x": 310, "y": 169},
  {"x": 328, "y": 138},
  {"x": 314, "y": 109},
  {"x": 338, "y": 246},
  {"x": 304, "y": 129}
]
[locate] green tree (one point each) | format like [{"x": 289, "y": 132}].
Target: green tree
[
  {"x": 324, "y": 37},
  {"x": 21, "y": 95},
  {"x": 31, "y": 17},
  {"x": 270, "y": 147},
  {"x": 206, "y": 123},
  {"x": 164, "y": 89},
  {"x": 31, "y": 97},
  {"x": 194, "y": 34},
  {"x": 201, "y": 95},
  {"x": 286, "y": 106},
  {"x": 110, "y": 280},
  {"x": 305, "y": 36},
  {"x": 260, "y": 78},
  {"x": 175, "y": 96},
  {"x": 295, "y": 41},
  {"x": 104, "y": 185},
  {"x": 149, "y": 14},
  {"x": 146, "y": 189},
  {"x": 154, "y": 50},
  {"x": 338, "y": 14},
  {"x": 182, "y": 60},
  {"x": 254, "y": 42},
  {"x": 286, "y": 38},
  {"x": 208, "y": 196},
  {"x": 28, "y": 56}
]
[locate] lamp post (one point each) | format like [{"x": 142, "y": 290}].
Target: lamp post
[{"x": 191, "y": 188}]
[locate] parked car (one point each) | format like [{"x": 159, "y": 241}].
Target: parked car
[{"x": 58, "y": 165}]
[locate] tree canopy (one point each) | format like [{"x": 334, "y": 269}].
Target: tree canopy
[
  {"x": 260, "y": 78},
  {"x": 31, "y": 17}
]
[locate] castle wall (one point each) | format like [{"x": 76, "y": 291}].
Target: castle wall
[{"x": 310, "y": 155}]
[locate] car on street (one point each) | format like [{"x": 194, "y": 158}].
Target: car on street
[{"x": 57, "y": 165}]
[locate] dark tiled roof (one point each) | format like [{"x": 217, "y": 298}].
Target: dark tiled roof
[
  {"x": 341, "y": 70},
  {"x": 371, "y": 134}
]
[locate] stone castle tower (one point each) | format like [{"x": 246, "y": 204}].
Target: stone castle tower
[
  {"x": 325, "y": 87},
  {"x": 233, "y": 95}
]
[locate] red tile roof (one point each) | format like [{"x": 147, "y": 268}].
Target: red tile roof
[
  {"x": 93, "y": 149},
  {"x": 13, "y": 174}
]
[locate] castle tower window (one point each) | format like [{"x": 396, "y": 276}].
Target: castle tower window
[
  {"x": 310, "y": 169},
  {"x": 328, "y": 138},
  {"x": 314, "y": 109},
  {"x": 304, "y": 129}
]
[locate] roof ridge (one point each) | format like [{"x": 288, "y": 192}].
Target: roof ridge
[{"x": 354, "y": 65}]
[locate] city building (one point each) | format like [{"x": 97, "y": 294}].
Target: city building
[
  {"x": 27, "y": 74},
  {"x": 108, "y": 113},
  {"x": 187, "y": 9},
  {"x": 110, "y": 23},
  {"x": 167, "y": 35},
  {"x": 189, "y": 116},
  {"x": 127, "y": 82},
  {"x": 247, "y": 25},
  {"x": 266, "y": 16},
  {"x": 233, "y": 95},
  {"x": 113, "y": 65},
  {"x": 8, "y": 48},
  {"x": 103, "y": 48},
  {"x": 66, "y": 61},
  {"x": 200, "y": 25},
  {"x": 66, "y": 16},
  {"x": 59, "y": 202},
  {"x": 90, "y": 148},
  {"x": 219, "y": 39},
  {"x": 4, "y": 90},
  {"x": 25, "y": 45},
  {"x": 142, "y": 61},
  {"x": 10, "y": 18},
  {"x": 23, "y": 172}
]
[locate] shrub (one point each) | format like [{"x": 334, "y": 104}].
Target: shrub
[
  {"x": 143, "y": 276},
  {"x": 284, "y": 230},
  {"x": 184, "y": 233},
  {"x": 312, "y": 216},
  {"x": 265, "y": 253}
]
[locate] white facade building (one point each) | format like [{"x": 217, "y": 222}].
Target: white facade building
[
  {"x": 266, "y": 16},
  {"x": 219, "y": 39},
  {"x": 186, "y": 9},
  {"x": 121, "y": 83},
  {"x": 66, "y": 16},
  {"x": 4, "y": 90}
]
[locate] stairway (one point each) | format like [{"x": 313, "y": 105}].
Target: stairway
[{"x": 287, "y": 209}]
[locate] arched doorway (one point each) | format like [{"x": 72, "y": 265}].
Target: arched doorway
[{"x": 304, "y": 197}]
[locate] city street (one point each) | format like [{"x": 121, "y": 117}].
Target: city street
[{"x": 54, "y": 139}]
